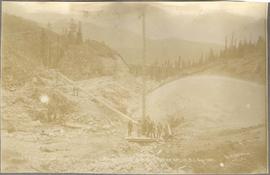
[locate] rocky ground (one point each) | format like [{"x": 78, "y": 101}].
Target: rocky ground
[
  {"x": 89, "y": 133},
  {"x": 91, "y": 138}
]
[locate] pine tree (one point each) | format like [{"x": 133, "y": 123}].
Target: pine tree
[
  {"x": 59, "y": 52},
  {"x": 71, "y": 32},
  {"x": 232, "y": 41},
  {"x": 226, "y": 44},
  {"x": 179, "y": 64},
  {"x": 49, "y": 25},
  {"x": 44, "y": 48},
  {"x": 79, "y": 34},
  {"x": 240, "y": 49},
  {"x": 201, "y": 61},
  {"x": 260, "y": 45},
  {"x": 211, "y": 54}
]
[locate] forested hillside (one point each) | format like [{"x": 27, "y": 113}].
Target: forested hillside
[
  {"x": 239, "y": 58},
  {"x": 33, "y": 47}
]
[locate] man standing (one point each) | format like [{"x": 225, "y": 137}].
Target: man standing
[
  {"x": 144, "y": 127},
  {"x": 155, "y": 130},
  {"x": 151, "y": 129},
  {"x": 130, "y": 126},
  {"x": 75, "y": 91},
  {"x": 159, "y": 130}
]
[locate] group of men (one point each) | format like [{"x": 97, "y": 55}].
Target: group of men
[
  {"x": 151, "y": 129},
  {"x": 148, "y": 128},
  {"x": 75, "y": 91}
]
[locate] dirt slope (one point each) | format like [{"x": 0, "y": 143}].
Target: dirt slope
[
  {"x": 218, "y": 124},
  {"x": 228, "y": 100}
]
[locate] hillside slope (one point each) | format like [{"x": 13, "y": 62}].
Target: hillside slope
[
  {"x": 250, "y": 67},
  {"x": 186, "y": 97},
  {"x": 218, "y": 123},
  {"x": 23, "y": 43}
]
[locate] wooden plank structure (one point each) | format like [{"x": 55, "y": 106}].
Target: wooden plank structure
[
  {"x": 142, "y": 139},
  {"x": 101, "y": 101}
]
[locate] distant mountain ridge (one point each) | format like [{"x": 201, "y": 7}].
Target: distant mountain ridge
[
  {"x": 119, "y": 26},
  {"x": 127, "y": 43}
]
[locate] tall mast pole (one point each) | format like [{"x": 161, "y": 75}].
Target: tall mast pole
[{"x": 143, "y": 63}]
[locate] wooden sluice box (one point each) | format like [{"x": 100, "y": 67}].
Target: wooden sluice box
[{"x": 142, "y": 139}]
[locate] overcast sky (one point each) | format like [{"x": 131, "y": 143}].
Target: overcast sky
[
  {"x": 186, "y": 20},
  {"x": 251, "y": 9}
]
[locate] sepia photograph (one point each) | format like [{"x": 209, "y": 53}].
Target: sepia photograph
[{"x": 134, "y": 87}]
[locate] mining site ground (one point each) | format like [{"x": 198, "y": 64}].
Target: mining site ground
[{"x": 212, "y": 136}]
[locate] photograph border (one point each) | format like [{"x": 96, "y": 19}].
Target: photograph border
[{"x": 267, "y": 70}]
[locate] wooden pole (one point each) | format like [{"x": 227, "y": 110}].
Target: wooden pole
[{"x": 143, "y": 64}]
